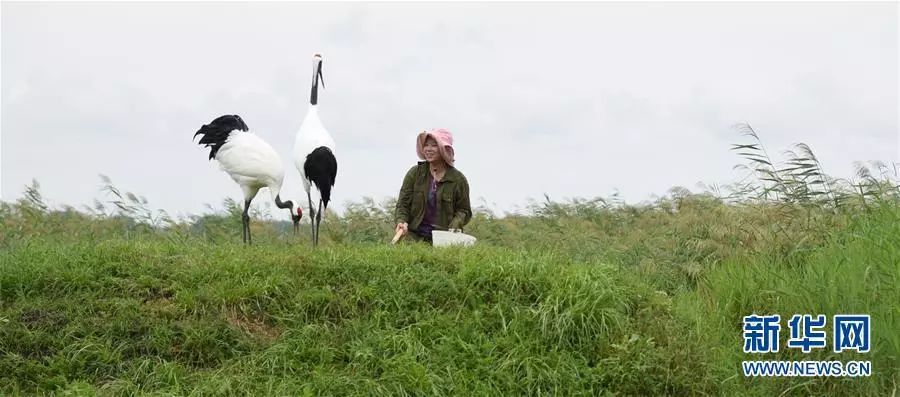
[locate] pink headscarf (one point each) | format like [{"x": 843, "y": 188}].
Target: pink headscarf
[{"x": 445, "y": 144}]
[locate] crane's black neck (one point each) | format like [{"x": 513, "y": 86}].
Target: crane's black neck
[
  {"x": 314, "y": 92},
  {"x": 283, "y": 205}
]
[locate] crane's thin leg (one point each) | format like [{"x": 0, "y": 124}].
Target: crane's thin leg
[
  {"x": 312, "y": 215},
  {"x": 246, "y": 221},
  {"x": 318, "y": 221},
  {"x": 243, "y": 229}
]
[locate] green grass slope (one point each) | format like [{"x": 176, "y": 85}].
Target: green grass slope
[{"x": 161, "y": 316}]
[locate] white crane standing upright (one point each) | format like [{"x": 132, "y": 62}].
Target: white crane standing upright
[
  {"x": 249, "y": 160},
  {"x": 314, "y": 154}
]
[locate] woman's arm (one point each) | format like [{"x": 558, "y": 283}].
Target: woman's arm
[
  {"x": 463, "y": 208},
  {"x": 404, "y": 201}
]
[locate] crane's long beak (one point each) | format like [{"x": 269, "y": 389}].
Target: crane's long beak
[{"x": 319, "y": 73}]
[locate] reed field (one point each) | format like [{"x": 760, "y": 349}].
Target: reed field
[{"x": 589, "y": 296}]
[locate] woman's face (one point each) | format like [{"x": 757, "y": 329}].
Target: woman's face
[{"x": 431, "y": 150}]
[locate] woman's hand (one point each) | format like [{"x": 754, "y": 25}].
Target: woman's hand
[
  {"x": 399, "y": 231},
  {"x": 402, "y": 226}
]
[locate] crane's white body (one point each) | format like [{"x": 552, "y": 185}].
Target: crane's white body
[
  {"x": 252, "y": 163},
  {"x": 311, "y": 135},
  {"x": 314, "y": 154},
  {"x": 248, "y": 160}
]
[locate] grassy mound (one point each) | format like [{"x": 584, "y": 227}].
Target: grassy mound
[{"x": 151, "y": 315}]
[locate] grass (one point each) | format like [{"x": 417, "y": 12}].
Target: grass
[
  {"x": 856, "y": 271},
  {"x": 149, "y": 315},
  {"x": 585, "y": 297},
  {"x": 124, "y": 317}
]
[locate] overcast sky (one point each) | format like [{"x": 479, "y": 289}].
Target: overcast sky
[{"x": 576, "y": 100}]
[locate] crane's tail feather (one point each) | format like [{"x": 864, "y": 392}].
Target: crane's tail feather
[
  {"x": 320, "y": 167},
  {"x": 216, "y": 133}
]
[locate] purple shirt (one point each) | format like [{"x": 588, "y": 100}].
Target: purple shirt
[{"x": 427, "y": 224}]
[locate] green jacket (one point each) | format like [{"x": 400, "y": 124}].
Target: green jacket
[{"x": 453, "y": 208}]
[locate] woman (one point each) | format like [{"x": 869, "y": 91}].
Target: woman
[{"x": 434, "y": 195}]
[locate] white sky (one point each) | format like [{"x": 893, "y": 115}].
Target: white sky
[{"x": 575, "y": 100}]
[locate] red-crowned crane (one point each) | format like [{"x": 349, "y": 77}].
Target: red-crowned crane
[
  {"x": 249, "y": 160},
  {"x": 314, "y": 154}
]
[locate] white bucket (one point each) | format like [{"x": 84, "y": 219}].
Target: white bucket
[{"x": 442, "y": 238}]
